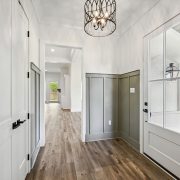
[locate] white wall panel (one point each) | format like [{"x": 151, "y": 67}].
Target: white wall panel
[
  {"x": 5, "y": 159},
  {"x": 5, "y": 89},
  {"x": 5, "y": 59}
]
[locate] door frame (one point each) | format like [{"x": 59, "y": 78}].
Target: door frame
[
  {"x": 43, "y": 44},
  {"x": 175, "y": 20},
  {"x": 34, "y": 68}
]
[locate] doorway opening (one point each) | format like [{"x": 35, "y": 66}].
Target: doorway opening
[
  {"x": 53, "y": 91},
  {"x": 63, "y": 88}
]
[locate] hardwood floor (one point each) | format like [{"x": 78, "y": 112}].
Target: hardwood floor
[{"x": 65, "y": 157}]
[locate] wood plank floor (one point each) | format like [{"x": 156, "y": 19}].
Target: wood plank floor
[{"x": 65, "y": 157}]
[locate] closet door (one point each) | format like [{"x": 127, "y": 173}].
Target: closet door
[
  {"x": 35, "y": 113},
  {"x": 5, "y": 90},
  {"x": 19, "y": 92}
]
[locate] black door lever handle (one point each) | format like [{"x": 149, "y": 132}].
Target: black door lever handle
[
  {"x": 15, "y": 125},
  {"x": 20, "y": 122}
]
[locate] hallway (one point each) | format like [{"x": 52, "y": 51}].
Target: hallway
[{"x": 66, "y": 157}]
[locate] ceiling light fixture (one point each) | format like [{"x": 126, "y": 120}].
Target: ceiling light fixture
[
  {"x": 52, "y": 50},
  {"x": 172, "y": 71},
  {"x": 100, "y": 17}
]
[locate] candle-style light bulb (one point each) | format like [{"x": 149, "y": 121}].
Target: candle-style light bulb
[
  {"x": 103, "y": 21},
  {"x": 106, "y": 15},
  {"x": 94, "y": 21},
  {"x": 96, "y": 14}
]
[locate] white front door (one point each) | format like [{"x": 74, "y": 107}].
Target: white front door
[
  {"x": 19, "y": 92},
  {"x": 162, "y": 98}
]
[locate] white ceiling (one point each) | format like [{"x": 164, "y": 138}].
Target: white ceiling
[
  {"x": 57, "y": 67},
  {"x": 59, "y": 59},
  {"x": 71, "y": 12},
  {"x": 58, "y": 55}
]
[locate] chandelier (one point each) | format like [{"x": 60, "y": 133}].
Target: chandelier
[
  {"x": 100, "y": 17},
  {"x": 172, "y": 71}
]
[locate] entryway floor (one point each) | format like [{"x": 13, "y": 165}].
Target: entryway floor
[{"x": 65, "y": 157}]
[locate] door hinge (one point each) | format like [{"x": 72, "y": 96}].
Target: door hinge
[
  {"x": 28, "y": 157},
  {"x": 28, "y": 75},
  {"x": 28, "y": 115},
  {"x": 19, "y": 2},
  {"x": 28, "y": 33}
]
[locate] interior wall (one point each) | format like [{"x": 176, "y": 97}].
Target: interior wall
[
  {"x": 129, "y": 51},
  {"x": 76, "y": 82},
  {"x": 129, "y": 55},
  {"x": 113, "y": 110},
  {"x": 113, "y": 54},
  {"x": 66, "y": 97},
  {"x": 100, "y": 61}
]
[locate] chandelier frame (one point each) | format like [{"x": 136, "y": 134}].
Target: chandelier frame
[{"x": 100, "y": 15}]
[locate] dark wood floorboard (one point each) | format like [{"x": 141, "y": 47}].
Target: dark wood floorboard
[{"x": 65, "y": 157}]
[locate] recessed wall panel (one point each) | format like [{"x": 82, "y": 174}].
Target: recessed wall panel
[
  {"x": 134, "y": 108},
  {"x": 124, "y": 105},
  {"x": 96, "y": 105},
  {"x": 110, "y": 105}
]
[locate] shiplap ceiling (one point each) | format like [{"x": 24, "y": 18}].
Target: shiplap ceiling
[{"x": 71, "y": 12}]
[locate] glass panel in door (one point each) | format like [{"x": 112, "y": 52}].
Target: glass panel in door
[
  {"x": 172, "y": 83},
  {"x": 173, "y": 52},
  {"x": 172, "y": 105},
  {"x": 156, "y": 106},
  {"x": 155, "y": 80},
  {"x": 156, "y": 58}
]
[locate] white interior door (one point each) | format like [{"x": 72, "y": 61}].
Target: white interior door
[
  {"x": 162, "y": 97},
  {"x": 19, "y": 92},
  {"x": 5, "y": 90}
]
